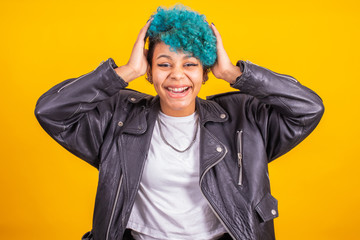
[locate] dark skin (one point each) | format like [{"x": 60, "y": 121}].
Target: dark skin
[
  {"x": 137, "y": 65},
  {"x": 177, "y": 72}
]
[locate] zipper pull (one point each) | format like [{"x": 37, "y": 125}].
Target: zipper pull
[
  {"x": 239, "y": 154},
  {"x": 240, "y": 169}
]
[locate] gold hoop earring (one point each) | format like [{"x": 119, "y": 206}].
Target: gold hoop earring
[
  {"x": 149, "y": 79},
  {"x": 205, "y": 79}
]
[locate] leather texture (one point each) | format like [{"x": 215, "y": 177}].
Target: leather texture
[{"x": 96, "y": 118}]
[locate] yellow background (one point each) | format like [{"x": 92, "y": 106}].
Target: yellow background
[{"x": 46, "y": 193}]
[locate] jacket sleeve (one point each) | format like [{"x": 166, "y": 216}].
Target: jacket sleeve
[
  {"x": 76, "y": 112},
  {"x": 288, "y": 111}
]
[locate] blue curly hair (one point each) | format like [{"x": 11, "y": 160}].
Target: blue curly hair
[{"x": 185, "y": 30}]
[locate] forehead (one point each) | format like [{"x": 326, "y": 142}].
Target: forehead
[{"x": 162, "y": 50}]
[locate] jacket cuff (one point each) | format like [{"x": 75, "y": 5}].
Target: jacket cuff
[
  {"x": 107, "y": 70},
  {"x": 240, "y": 82}
]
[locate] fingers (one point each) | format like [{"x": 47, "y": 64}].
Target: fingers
[
  {"x": 137, "y": 61},
  {"x": 217, "y": 35},
  {"x": 142, "y": 34},
  {"x": 139, "y": 46},
  {"x": 223, "y": 64},
  {"x": 216, "y": 32}
]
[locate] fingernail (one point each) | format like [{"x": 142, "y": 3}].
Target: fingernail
[
  {"x": 213, "y": 23},
  {"x": 206, "y": 21}
]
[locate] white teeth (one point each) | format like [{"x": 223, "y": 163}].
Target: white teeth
[{"x": 177, "y": 90}]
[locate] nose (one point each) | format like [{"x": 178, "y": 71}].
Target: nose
[{"x": 177, "y": 73}]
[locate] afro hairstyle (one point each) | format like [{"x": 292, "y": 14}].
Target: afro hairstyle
[{"x": 185, "y": 30}]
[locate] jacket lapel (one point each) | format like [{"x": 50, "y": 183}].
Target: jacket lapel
[
  {"x": 136, "y": 138},
  {"x": 135, "y": 143},
  {"x": 211, "y": 149}
]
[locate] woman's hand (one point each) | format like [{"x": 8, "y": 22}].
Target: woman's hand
[
  {"x": 223, "y": 68},
  {"x": 137, "y": 64}
]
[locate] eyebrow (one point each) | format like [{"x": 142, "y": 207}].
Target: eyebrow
[{"x": 167, "y": 56}]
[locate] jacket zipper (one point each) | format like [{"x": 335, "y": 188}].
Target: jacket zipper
[
  {"x": 114, "y": 206},
  {"x": 68, "y": 84},
  {"x": 239, "y": 155},
  {"x": 281, "y": 75},
  {"x": 74, "y": 81},
  {"x": 212, "y": 208},
  {"x": 285, "y": 76}
]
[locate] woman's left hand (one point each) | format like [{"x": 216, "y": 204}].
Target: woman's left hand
[{"x": 223, "y": 68}]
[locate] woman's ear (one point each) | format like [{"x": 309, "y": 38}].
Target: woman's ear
[
  {"x": 148, "y": 75},
  {"x": 205, "y": 76}
]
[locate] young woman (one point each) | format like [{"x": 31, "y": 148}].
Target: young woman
[{"x": 175, "y": 166}]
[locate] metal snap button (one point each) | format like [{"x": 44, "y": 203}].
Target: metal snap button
[
  {"x": 273, "y": 212},
  {"x": 133, "y": 99},
  {"x": 222, "y": 116},
  {"x": 120, "y": 123},
  {"x": 219, "y": 149}
]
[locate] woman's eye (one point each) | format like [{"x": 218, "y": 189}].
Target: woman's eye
[
  {"x": 163, "y": 65},
  {"x": 190, "y": 64},
  {"x": 185, "y": 65}
]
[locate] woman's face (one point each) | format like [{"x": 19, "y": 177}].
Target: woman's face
[{"x": 177, "y": 78}]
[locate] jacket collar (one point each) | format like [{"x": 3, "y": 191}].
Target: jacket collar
[
  {"x": 144, "y": 115},
  {"x": 208, "y": 110},
  {"x": 141, "y": 125}
]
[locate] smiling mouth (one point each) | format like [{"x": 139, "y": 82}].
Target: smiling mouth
[{"x": 178, "y": 90}]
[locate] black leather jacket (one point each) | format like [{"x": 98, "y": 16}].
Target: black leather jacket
[{"x": 110, "y": 127}]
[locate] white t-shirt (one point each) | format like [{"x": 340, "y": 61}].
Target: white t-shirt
[{"x": 169, "y": 203}]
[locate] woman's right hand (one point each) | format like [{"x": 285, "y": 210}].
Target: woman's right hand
[{"x": 137, "y": 64}]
